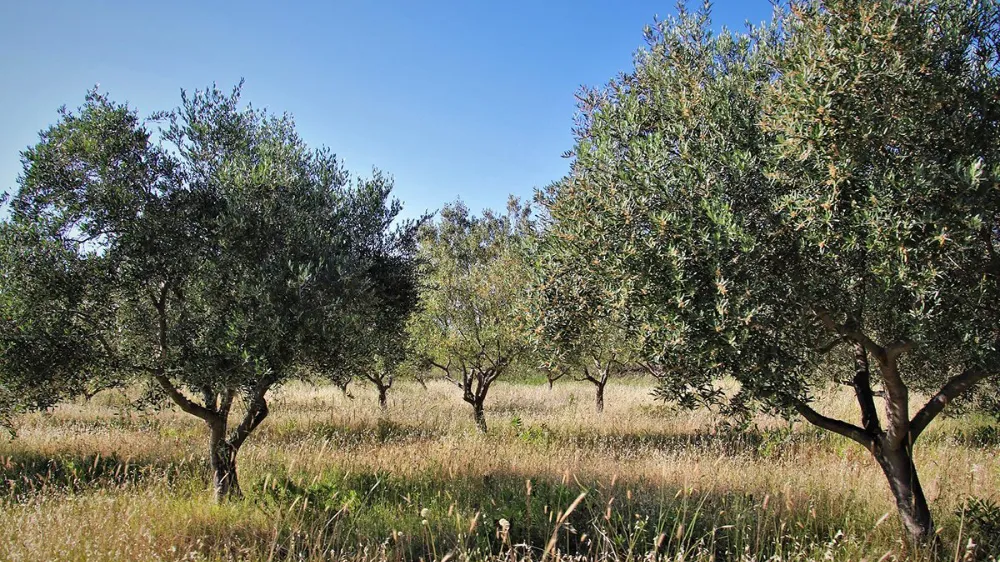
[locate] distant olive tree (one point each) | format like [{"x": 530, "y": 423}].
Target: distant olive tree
[
  {"x": 572, "y": 335},
  {"x": 380, "y": 354},
  {"x": 219, "y": 261},
  {"x": 473, "y": 280},
  {"x": 820, "y": 192}
]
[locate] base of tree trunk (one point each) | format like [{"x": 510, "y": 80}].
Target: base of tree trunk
[
  {"x": 899, "y": 470},
  {"x": 480, "y": 416},
  {"x": 225, "y": 479}
]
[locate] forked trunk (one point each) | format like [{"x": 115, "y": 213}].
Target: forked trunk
[
  {"x": 480, "y": 415},
  {"x": 225, "y": 480},
  {"x": 905, "y": 485},
  {"x": 383, "y": 398},
  {"x": 600, "y": 398}
]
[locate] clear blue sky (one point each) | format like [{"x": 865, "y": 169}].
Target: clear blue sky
[{"x": 468, "y": 99}]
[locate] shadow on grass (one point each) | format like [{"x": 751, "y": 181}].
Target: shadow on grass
[
  {"x": 503, "y": 516},
  {"x": 23, "y": 473},
  {"x": 361, "y": 432},
  {"x": 753, "y": 443}
]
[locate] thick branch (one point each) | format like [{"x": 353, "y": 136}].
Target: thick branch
[
  {"x": 852, "y": 432},
  {"x": 185, "y": 404},
  {"x": 226, "y": 403},
  {"x": 445, "y": 368},
  {"x": 828, "y": 347},
  {"x": 857, "y": 335},
  {"x": 588, "y": 377},
  {"x": 951, "y": 390},
  {"x": 460, "y": 385},
  {"x": 863, "y": 391},
  {"x": 897, "y": 395},
  {"x": 897, "y": 348},
  {"x": 257, "y": 410}
]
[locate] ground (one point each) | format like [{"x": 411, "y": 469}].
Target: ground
[{"x": 327, "y": 476}]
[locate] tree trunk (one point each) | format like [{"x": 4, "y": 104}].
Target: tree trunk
[
  {"x": 383, "y": 399},
  {"x": 224, "y": 478},
  {"x": 910, "y": 501},
  {"x": 600, "y": 398},
  {"x": 480, "y": 415}
]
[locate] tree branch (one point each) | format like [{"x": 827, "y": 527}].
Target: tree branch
[
  {"x": 863, "y": 391},
  {"x": 952, "y": 389},
  {"x": 857, "y": 335},
  {"x": 445, "y": 368},
  {"x": 827, "y": 348},
  {"x": 852, "y": 432},
  {"x": 897, "y": 348},
  {"x": 257, "y": 410},
  {"x": 185, "y": 404}
]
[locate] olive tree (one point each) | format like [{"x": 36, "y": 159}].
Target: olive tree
[
  {"x": 380, "y": 354},
  {"x": 472, "y": 284},
  {"x": 573, "y": 335},
  {"x": 789, "y": 205},
  {"x": 217, "y": 260}
]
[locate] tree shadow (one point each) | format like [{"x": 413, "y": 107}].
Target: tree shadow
[
  {"x": 364, "y": 432},
  {"x": 26, "y": 473},
  {"x": 495, "y": 515}
]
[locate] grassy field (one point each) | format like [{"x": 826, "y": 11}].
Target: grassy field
[{"x": 328, "y": 478}]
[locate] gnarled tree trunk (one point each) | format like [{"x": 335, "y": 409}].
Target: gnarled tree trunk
[
  {"x": 480, "y": 415},
  {"x": 599, "y": 378},
  {"x": 892, "y": 446},
  {"x": 225, "y": 480},
  {"x": 383, "y": 398},
  {"x": 906, "y": 490}
]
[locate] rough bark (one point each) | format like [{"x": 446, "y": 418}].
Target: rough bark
[
  {"x": 862, "y": 384},
  {"x": 897, "y": 464},
  {"x": 480, "y": 415},
  {"x": 225, "y": 480},
  {"x": 892, "y": 447},
  {"x": 600, "y": 398},
  {"x": 383, "y": 398}
]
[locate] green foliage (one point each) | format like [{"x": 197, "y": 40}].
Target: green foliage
[
  {"x": 224, "y": 257},
  {"x": 42, "y": 359},
  {"x": 473, "y": 282},
  {"x": 748, "y": 203},
  {"x": 734, "y": 186},
  {"x": 983, "y": 521}
]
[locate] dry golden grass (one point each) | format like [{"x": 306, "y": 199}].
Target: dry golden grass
[{"x": 329, "y": 477}]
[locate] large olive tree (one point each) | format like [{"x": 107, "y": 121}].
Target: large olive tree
[
  {"x": 790, "y": 205},
  {"x": 217, "y": 261}
]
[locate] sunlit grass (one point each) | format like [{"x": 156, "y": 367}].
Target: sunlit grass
[{"x": 330, "y": 477}]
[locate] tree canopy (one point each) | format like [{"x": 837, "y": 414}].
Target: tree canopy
[
  {"x": 815, "y": 193},
  {"x": 218, "y": 259},
  {"x": 473, "y": 283}
]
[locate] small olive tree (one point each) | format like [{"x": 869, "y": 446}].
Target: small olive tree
[
  {"x": 380, "y": 354},
  {"x": 473, "y": 280},
  {"x": 218, "y": 263},
  {"x": 573, "y": 335},
  {"x": 756, "y": 204}
]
